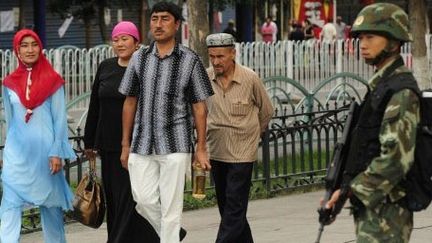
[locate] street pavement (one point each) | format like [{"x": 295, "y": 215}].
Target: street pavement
[{"x": 283, "y": 219}]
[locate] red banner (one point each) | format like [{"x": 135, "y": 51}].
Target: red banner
[
  {"x": 318, "y": 12},
  {"x": 367, "y": 2}
]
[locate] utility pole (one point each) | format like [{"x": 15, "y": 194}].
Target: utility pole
[
  {"x": 39, "y": 20},
  {"x": 334, "y": 11}
]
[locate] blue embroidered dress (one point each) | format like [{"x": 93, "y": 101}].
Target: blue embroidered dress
[{"x": 26, "y": 176}]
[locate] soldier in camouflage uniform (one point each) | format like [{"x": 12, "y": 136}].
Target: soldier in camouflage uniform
[{"x": 383, "y": 141}]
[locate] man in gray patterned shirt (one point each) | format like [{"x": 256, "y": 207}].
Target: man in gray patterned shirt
[{"x": 165, "y": 84}]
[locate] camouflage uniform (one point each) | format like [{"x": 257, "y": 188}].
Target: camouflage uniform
[{"x": 378, "y": 188}]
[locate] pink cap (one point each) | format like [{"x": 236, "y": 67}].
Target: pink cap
[{"x": 126, "y": 27}]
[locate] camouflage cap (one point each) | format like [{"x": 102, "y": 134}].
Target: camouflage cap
[
  {"x": 385, "y": 18},
  {"x": 220, "y": 40}
]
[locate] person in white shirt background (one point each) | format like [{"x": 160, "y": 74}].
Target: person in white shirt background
[
  {"x": 328, "y": 32},
  {"x": 340, "y": 28}
]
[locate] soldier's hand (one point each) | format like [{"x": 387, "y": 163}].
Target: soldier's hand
[
  {"x": 124, "y": 157},
  {"x": 333, "y": 199}
]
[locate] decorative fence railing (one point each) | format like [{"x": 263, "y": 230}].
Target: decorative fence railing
[
  {"x": 307, "y": 62},
  {"x": 299, "y": 143},
  {"x": 297, "y": 148},
  {"x": 290, "y": 96}
]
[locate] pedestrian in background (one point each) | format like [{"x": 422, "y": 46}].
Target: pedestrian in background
[
  {"x": 328, "y": 32},
  {"x": 383, "y": 140},
  {"x": 340, "y": 28},
  {"x": 166, "y": 86},
  {"x": 308, "y": 30},
  {"x": 231, "y": 29},
  {"x": 36, "y": 142},
  {"x": 269, "y": 31},
  {"x": 297, "y": 34},
  {"x": 239, "y": 112},
  {"x": 103, "y": 133}
]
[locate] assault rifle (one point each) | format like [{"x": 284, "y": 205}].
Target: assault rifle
[{"x": 335, "y": 171}]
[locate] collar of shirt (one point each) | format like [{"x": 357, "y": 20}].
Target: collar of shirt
[
  {"x": 373, "y": 81},
  {"x": 153, "y": 50}
]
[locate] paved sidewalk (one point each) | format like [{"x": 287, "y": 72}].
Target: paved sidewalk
[{"x": 283, "y": 219}]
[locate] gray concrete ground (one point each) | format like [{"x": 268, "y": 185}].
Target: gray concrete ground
[{"x": 283, "y": 219}]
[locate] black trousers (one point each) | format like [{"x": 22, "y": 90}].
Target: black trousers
[
  {"x": 232, "y": 183},
  {"x": 124, "y": 224}
]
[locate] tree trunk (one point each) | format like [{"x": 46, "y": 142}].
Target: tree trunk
[
  {"x": 211, "y": 16},
  {"x": 101, "y": 14},
  {"x": 198, "y": 28},
  {"x": 417, "y": 13},
  {"x": 144, "y": 29},
  {"x": 87, "y": 26},
  {"x": 179, "y": 33},
  {"x": 21, "y": 21}
]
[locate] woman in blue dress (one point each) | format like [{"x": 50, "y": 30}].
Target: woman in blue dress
[{"x": 36, "y": 143}]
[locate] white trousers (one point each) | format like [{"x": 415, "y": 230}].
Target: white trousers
[{"x": 157, "y": 187}]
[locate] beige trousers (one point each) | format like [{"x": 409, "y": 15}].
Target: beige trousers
[{"x": 157, "y": 187}]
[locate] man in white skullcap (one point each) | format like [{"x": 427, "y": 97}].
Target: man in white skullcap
[{"x": 239, "y": 112}]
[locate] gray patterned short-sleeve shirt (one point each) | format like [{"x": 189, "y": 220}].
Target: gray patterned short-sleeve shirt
[{"x": 165, "y": 89}]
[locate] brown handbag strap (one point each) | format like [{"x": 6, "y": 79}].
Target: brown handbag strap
[{"x": 92, "y": 167}]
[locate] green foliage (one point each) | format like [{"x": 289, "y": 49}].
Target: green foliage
[
  {"x": 73, "y": 185},
  {"x": 31, "y": 219},
  {"x": 193, "y": 203},
  {"x": 190, "y": 203},
  {"x": 257, "y": 191},
  {"x": 307, "y": 162}
]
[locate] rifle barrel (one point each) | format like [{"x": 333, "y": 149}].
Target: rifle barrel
[{"x": 320, "y": 230}]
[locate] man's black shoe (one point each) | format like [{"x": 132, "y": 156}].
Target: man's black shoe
[{"x": 183, "y": 233}]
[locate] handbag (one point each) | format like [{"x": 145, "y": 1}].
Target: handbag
[{"x": 89, "y": 201}]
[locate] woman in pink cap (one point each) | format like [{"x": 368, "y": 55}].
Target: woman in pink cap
[{"x": 103, "y": 132}]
